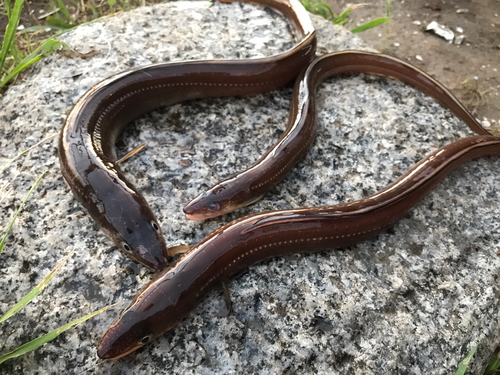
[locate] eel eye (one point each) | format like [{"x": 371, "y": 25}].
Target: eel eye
[
  {"x": 145, "y": 339},
  {"x": 214, "y": 206},
  {"x": 155, "y": 226},
  {"x": 127, "y": 247}
]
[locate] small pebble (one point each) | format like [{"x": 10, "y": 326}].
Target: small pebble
[
  {"x": 185, "y": 162},
  {"x": 441, "y": 30},
  {"x": 459, "y": 39}
]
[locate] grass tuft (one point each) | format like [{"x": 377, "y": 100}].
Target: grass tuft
[
  {"x": 370, "y": 25},
  {"x": 323, "y": 10},
  {"x": 465, "y": 363},
  {"x": 65, "y": 12},
  {"x": 48, "y": 47},
  {"x": 25, "y": 151},
  {"x": 36, "y": 42},
  {"x": 11, "y": 224},
  {"x": 10, "y": 32},
  {"x": 35, "y": 292},
  {"x": 42, "y": 340}
]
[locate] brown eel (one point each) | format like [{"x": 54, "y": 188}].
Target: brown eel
[
  {"x": 87, "y": 143},
  {"x": 170, "y": 296}
]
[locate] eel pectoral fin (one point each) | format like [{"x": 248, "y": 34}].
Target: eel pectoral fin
[
  {"x": 180, "y": 249},
  {"x": 130, "y": 153},
  {"x": 227, "y": 300}
]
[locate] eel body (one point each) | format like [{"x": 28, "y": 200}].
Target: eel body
[
  {"x": 87, "y": 143},
  {"x": 250, "y": 185},
  {"x": 169, "y": 298}
]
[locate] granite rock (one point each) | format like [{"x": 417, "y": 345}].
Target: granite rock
[{"x": 413, "y": 300}]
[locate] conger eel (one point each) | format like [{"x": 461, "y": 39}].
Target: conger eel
[
  {"x": 87, "y": 143},
  {"x": 169, "y": 297}
]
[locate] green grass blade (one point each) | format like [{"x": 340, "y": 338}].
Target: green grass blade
[
  {"x": 19, "y": 69},
  {"x": 388, "y": 8},
  {"x": 7, "y": 8},
  {"x": 33, "y": 29},
  {"x": 55, "y": 24},
  {"x": 25, "y": 151},
  {"x": 370, "y": 25},
  {"x": 11, "y": 31},
  {"x": 36, "y": 343},
  {"x": 320, "y": 12},
  {"x": 48, "y": 47},
  {"x": 319, "y": 8},
  {"x": 324, "y": 10},
  {"x": 65, "y": 11},
  {"x": 35, "y": 291},
  {"x": 342, "y": 16},
  {"x": 16, "y": 53},
  {"x": 2, "y": 243},
  {"x": 465, "y": 363},
  {"x": 51, "y": 24},
  {"x": 494, "y": 365},
  {"x": 93, "y": 9}
]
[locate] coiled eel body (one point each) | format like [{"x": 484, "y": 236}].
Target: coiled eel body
[{"x": 87, "y": 143}]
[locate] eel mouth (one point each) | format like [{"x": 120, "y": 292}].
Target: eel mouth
[
  {"x": 195, "y": 213},
  {"x": 198, "y": 216},
  {"x": 109, "y": 356}
]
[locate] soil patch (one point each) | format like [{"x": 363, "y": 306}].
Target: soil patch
[{"x": 471, "y": 70}]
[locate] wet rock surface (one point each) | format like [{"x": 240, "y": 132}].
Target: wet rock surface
[{"x": 413, "y": 300}]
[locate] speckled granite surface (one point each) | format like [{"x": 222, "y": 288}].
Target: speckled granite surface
[{"x": 413, "y": 300}]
